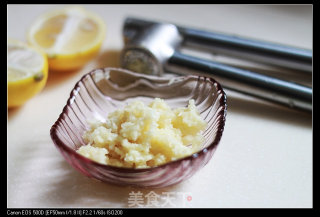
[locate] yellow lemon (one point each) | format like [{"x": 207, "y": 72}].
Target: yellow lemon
[
  {"x": 27, "y": 72},
  {"x": 71, "y": 37}
]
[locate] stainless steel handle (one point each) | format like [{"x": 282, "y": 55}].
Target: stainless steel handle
[{"x": 272, "y": 89}]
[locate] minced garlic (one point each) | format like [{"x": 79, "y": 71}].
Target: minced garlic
[{"x": 141, "y": 136}]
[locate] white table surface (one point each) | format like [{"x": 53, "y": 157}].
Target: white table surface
[{"x": 265, "y": 155}]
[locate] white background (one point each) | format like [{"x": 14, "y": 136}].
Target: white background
[{"x": 265, "y": 155}]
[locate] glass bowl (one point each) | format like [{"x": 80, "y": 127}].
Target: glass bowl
[{"x": 104, "y": 90}]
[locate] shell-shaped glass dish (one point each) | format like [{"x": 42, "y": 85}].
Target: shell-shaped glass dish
[{"x": 102, "y": 91}]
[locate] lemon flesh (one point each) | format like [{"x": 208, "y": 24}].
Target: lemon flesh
[
  {"x": 71, "y": 37},
  {"x": 27, "y": 72}
]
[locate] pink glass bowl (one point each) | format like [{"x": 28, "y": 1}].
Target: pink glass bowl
[{"x": 104, "y": 90}]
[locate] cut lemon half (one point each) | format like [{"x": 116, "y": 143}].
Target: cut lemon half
[
  {"x": 27, "y": 72},
  {"x": 71, "y": 37}
]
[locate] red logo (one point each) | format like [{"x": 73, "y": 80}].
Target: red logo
[{"x": 189, "y": 198}]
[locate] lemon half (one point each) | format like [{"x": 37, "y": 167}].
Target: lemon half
[
  {"x": 71, "y": 37},
  {"x": 27, "y": 72}
]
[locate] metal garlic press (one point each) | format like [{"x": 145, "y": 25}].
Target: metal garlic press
[{"x": 155, "y": 48}]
